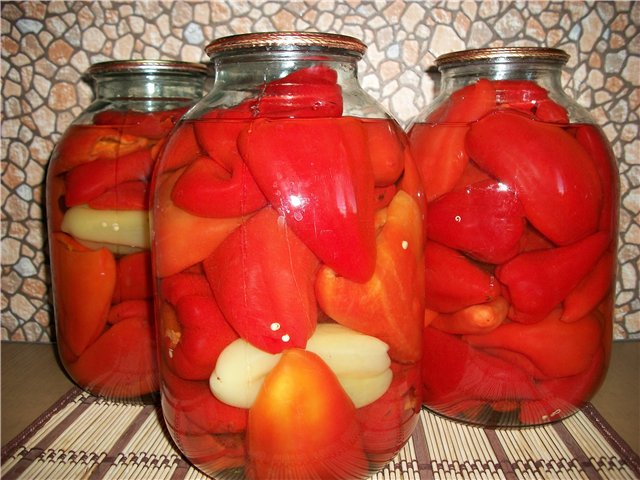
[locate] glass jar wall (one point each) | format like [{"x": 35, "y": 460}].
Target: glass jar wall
[
  {"x": 522, "y": 193},
  {"x": 98, "y": 223},
  {"x": 287, "y": 237}
]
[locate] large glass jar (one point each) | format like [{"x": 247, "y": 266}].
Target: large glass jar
[
  {"x": 98, "y": 222},
  {"x": 522, "y": 193},
  {"x": 287, "y": 246}
]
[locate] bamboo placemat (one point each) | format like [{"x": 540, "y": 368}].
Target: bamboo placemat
[{"x": 83, "y": 436}]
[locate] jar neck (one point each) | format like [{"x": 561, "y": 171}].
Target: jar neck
[
  {"x": 148, "y": 86},
  {"x": 250, "y": 70},
  {"x": 547, "y": 75},
  {"x": 243, "y": 75}
]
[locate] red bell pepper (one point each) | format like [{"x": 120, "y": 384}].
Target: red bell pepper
[
  {"x": 218, "y": 137},
  {"x": 591, "y": 290},
  {"x": 203, "y": 334},
  {"x": 454, "y": 372},
  {"x": 131, "y": 308},
  {"x": 214, "y": 454},
  {"x": 124, "y": 196},
  {"x": 181, "y": 148},
  {"x": 143, "y": 124},
  {"x": 383, "y": 196},
  {"x": 316, "y": 74},
  {"x": 467, "y": 104},
  {"x": 81, "y": 144},
  {"x": 84, "y": 283},
  {"x": 529, "y": 97},
  {"x": 523, "y": 95},
  {"x": 175, "y": 287},
  {"x": 533, "y": 240},
  {"x": 262, "y": 278},
  {"x": 453, "y": 282},
  {"x": 299, "y": 101},
  {"x": 182, "y": 239},
  {"x": 593, "y": 141},
  {"x": 561, "y": 397},
  {"x": 301, "y": 395},
  {"x": 121, "y": 362},
  {"x": 411, "y": 182},
  {"x": 191, "y": 408},
  {"x": 539, "y": 280},
  {"x": 480, "y": 318},
  {"x": 317, "y": 173},
  {"x": 89, "y": 180},
  {"x": 54, "y": 190},
  {"x": 471, "y": 174},
  {"x": 387, "y": 423},
  {"x": 133, "y": 279},
  {"x": 517, "y": 359},
  {"x": 548, "y": 169},
  {"x": 386, "y": 151},
  {"x": 306, "y": 93},
  {"x": 310, "y": 92},
  {"x": 557, "y": 348},
  {"x": 208, "y": 190},
  {"x": 552, "y": 112},
  {"x": 440, "y": 156},
  {"x": 210, "y": 433},
  {"x": 390, "y": 304},
  {"x": 485, "y": 220}
]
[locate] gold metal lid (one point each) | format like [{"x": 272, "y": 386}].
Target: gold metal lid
[
  {"x": 502, "y": 55},
  {"x": 286, "y": 41},
  {"x": 147, "y": 66}
]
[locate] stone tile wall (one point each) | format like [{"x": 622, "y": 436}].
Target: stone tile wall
[{"x": 46, "y": 47}]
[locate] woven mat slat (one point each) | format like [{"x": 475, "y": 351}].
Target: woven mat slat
[{"x": 91, "y": 438}]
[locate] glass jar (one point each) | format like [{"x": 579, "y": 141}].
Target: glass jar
[
  {"x": 522, "y": 193},
  {"x": 98, "y": 223},
  {"x": 287, "y": 246}
]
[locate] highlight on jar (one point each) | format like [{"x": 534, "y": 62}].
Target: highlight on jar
[
  {"x": 520, "y": 258},
  {"x": 98, "y": 220},
  {"x": 288, "y": 247}
]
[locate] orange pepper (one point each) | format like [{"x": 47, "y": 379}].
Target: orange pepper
[
  {"x": 480, "y": 318},
  {"x": 302, "y": 395},
  {"x": 390, "y": 304},
  {"x": 79, "y": 275},
  {"x": 183, "y": 239}
]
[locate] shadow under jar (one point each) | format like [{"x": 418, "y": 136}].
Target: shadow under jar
[
  {"x": 98, "y": 223},
  {"x": 288, "y": 244},
  {"x": 522, "y": 191}
]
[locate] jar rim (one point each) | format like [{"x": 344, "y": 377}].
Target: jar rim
[
  {"x": 285, "y": 41},
  {"x": 502, "y": 55},
  {"x": 147, "y": 66}
]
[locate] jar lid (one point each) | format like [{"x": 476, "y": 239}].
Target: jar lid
[
  {"x": 147, "y": 66},
  {"x": 502, "y": 55},
  {"x": 286, "y": 41}
]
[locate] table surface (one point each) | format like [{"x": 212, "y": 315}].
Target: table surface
[{"x": 32, "y": 380}]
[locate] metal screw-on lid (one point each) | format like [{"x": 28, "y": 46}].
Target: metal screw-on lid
[
  {"x": 147, "y": 66},
  {"x": 286, "y": 41},
  {"x": 502, "y": 55}
]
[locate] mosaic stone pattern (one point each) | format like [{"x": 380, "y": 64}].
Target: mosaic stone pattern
[{"x": 47, "y": 46}]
